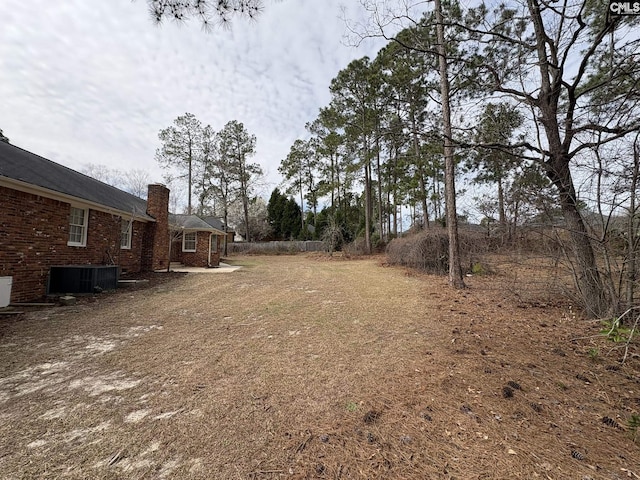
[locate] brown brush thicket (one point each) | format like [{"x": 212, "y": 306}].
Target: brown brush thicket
[{"x": 428, "y": 250}]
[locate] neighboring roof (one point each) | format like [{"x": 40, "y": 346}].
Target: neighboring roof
[
  {"x": 27, "y": 167},
  {"x": 216, "y": 223},
  {"x": 192, "y": 222}
]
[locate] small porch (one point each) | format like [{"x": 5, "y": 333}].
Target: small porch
[{"x": 194, "y": 243}]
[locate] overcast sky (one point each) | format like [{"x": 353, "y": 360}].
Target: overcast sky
[{"x": 93, "y": 81}]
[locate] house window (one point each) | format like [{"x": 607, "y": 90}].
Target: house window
[
  {"x": 189, "y": 242},
  {"x": 125, "y": 234},
  {"x": 78, "y": 227}
]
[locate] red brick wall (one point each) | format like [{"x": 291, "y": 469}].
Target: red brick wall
[
  {"x": 131, "y": 260},
  {"x": 199, "y": 258},
  {"x": 156, "y": 247},
  {"x": 34, "y": 232}
]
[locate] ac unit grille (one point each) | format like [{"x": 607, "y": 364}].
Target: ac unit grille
[{"x": 82, "y": 278}]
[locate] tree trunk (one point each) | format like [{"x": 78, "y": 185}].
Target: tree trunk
[
  {"x": 587, "y": 276},
  {"x": 380, "y": 218},
  {"x": 302, "y": 231},
  {"x": 423, "y": 195},
  {"x": 513, "y": 228},
  {"x": 338, "y": 184},
  {"x": 437, "y": 207},
  {"x": 367, "y": 205},
  {"x": 390, "y": 187},
  {"x": 395, "y": 192},
  {"x": 189, "y": 181},
  {"x": 367, "y": 188},
  {"x": 502, "y": 216},
  {"x": 420, "y": 167},
  {"x": 245, "y": 206},
  {"x": 226, "y": 229},
  {"x": 388, "y": 214},
  {"x": 333, "y": 185},
  {"x": 631, "y": 229},
  {"x": 455, "y": 264}
]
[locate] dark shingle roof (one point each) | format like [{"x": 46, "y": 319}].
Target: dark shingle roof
[
  {"x": 19, "y": 164},
  {"x": 216, "y": 223},
  {"x": 191, "y": 222}
]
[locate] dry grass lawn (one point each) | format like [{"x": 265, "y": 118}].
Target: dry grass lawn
[{"x": 300, "y": 367}]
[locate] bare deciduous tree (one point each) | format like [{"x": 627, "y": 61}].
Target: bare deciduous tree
[{"x": 136, "y": 182}]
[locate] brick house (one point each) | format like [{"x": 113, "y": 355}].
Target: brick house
[
  {"x": 218, "y": 224},
  {"x": 195, "y": 242},
  {"x": 51, "y": 215}
]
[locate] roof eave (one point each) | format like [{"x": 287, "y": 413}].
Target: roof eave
[
  {"x": 196, "y": 229},
  {"x": 63, "y": 197}
]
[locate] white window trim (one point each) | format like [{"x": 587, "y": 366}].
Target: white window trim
[
  {"x": 195, "y": 241},
  {"x": 128, "y": 233},
  {"x": 83, "y": 242}
]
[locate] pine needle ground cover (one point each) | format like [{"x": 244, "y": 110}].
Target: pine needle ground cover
[{"x": 303, "y": 367}]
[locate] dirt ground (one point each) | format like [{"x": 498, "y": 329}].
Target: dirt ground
[{"x": 300, "y": 367}]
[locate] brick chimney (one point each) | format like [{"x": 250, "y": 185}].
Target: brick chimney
[{"x": 156, "y": 250}]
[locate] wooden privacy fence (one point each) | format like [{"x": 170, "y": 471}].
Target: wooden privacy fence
[{"x": 277, "y": 247}]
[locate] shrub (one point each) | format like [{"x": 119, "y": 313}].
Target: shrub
[
  {"x": 332, "y": 235},
  {"x": 355, "y": 248},
  {"x": 428, "y": 250}
]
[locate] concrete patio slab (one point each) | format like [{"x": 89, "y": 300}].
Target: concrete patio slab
[{"x": 223, "y": 268}]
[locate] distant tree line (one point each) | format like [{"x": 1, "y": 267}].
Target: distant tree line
[
  {"x": 520, "y": 97},
  {"x": 525, "y": 96},
  {"x": 377, "y": 149}
]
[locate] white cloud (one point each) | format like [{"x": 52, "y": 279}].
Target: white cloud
[{"x": 89, "y": 81}]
